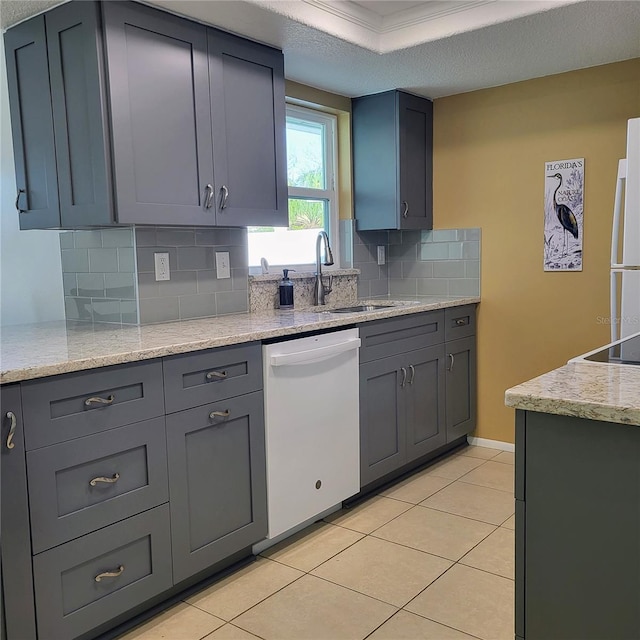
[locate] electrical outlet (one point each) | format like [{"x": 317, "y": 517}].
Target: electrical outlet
[
  {"x": 381, "y": 257},
  {"x": 161, "y": 261},
  {"x": 223, "y": 269}
]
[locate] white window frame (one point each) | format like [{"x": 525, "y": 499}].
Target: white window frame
[{"x": 330, "y": 193}]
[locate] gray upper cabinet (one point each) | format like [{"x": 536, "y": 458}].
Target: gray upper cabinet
[
  {"x": 32, "y": 125},
  {"x": 161, "y": 124},
  {"x": 248, "y": 113},
  {"x": 125, "y": 114},
  {"x": 392, "y": 161}
]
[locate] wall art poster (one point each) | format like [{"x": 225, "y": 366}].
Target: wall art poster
[{"x": 563, "y": 214}]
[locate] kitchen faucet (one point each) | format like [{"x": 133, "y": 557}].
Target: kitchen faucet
[{"x": 320, "y": 290}]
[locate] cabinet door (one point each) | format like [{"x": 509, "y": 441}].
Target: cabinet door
[
  {"x": 425, "y": 401},
  {"x": 74, "y": 46},
  {"x": 461, "y": 387},
  {"x": 161, "y": 125},
  {"x": 217, "y": 482},
  {"x": 382, "y": 426},
  {"x": 17, "y": 579},
  {"x": 248, "y": 114},
  {"x": 415, "y": 116},
  {"x": 32, "y": 125}
]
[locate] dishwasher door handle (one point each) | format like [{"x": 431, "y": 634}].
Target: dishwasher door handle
[{"x": 314, "y": 355}]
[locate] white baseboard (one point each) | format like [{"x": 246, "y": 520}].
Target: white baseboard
[{"x": 491, "y": 444}]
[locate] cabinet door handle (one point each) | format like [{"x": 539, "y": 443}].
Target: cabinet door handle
[
  {"x": 97, "y": 400},
  {"x": 224, "y": 195},
  {"x": 216, "y": 375},
  {"x": 220, "y": 414},
  {"x": 208, "y": 196},
  {"x": 12, "y": 429},
  {"x": 413, "y": 373},
  {"x": 20, "y": 192},
  {"x": 110, "y": 574},
  {"x": 451, "y": 361},
  {"x": 404, "y": 376},
  {"x": 405, "y": 208},
  {"x": 114, "y": 478}
]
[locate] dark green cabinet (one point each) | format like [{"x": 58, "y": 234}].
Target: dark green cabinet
[
  {"x": 392, "y": 161},
  {"x": 125, "y": 114},
  {"x": 17, "y": 580},
  {"x": 217, "y": 479},
  {"x": 577, "y": 528}
]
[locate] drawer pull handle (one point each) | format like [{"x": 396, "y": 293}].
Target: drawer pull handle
[
  {"x": 404, "y": 376},
  {"x": 114, "y": 478},
  {"x": 216, "y": 375},
  {"x": 110, "y": 574},
  {"x": 461, "y": 322},
  {"x": 413, "y": 373},
  {"x": 97, "y": 400},
  {"x": 451, "y": 361},
  {"x": 220, "y": 414},
  {"x": 12, "y": 429}
]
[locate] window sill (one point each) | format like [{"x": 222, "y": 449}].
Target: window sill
[{"x": 300, "y": 275}]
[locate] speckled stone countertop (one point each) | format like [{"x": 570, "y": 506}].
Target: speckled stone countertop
[
  {"x": 38, "y": 350},
  {"x": 585, "y": 390}
]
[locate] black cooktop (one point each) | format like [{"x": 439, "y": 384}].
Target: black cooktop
[{"x": 626, "y": 352}]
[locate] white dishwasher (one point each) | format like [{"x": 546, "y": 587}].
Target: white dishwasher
[{"x": 312, "y": 426}]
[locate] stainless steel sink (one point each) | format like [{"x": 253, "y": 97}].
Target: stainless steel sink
[{"x": 359, "y": 308}]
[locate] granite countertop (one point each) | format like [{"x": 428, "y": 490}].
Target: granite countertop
[
  {"x": 51, "y": 348},
  {"x": 591, "y": 390}
]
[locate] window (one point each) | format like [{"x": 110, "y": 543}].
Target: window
[{"x": 311, "y": 162}]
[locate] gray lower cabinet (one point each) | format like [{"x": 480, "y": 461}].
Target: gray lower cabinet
[
  {"x": 577, "y": 528},
  {"x": 17, "y": 580},
  {"x": 461, "y": 393},
  {"x": 123, "y": 113},
  {"x": 401, "y": 410},
  {"x": 86, "y": 582},
  {"x": 415, "y": 401},
  {"x": 126, "y": 501},
  {"x": 392, "y": 161},
  {"x": 217, "y": 481}
]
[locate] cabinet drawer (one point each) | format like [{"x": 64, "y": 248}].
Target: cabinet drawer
[
  {"x": 79, "y": 404},
  {"x": 79, "y": 486},
  {"x": 73, "y": 594},
  {"x": 195, "y": 379},
  {"x": 459, "y": 322},
  {"x": 397, "y": 335}
]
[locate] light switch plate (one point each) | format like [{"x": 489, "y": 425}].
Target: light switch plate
[
  {"x": 381, "y": 256},
  {"x": 161, "y": 261},
  {"x": 223, "y": 270}
]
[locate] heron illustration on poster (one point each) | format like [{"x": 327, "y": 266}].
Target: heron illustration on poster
[{"x": 563, "y": 214}]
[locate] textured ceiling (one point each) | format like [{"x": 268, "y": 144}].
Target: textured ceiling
[{"x": 447, "y": 59}]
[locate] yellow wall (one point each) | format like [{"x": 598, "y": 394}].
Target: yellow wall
[{"x": 489, "y": 152}]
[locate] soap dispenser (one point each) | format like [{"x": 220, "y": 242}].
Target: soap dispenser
[{"x": 286, "y": 290}]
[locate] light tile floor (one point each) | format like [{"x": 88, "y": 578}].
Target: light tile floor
[{"x": 431, "y": 558}]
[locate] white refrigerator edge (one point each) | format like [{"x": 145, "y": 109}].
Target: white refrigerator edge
[{"x": 625, "y": 313}]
